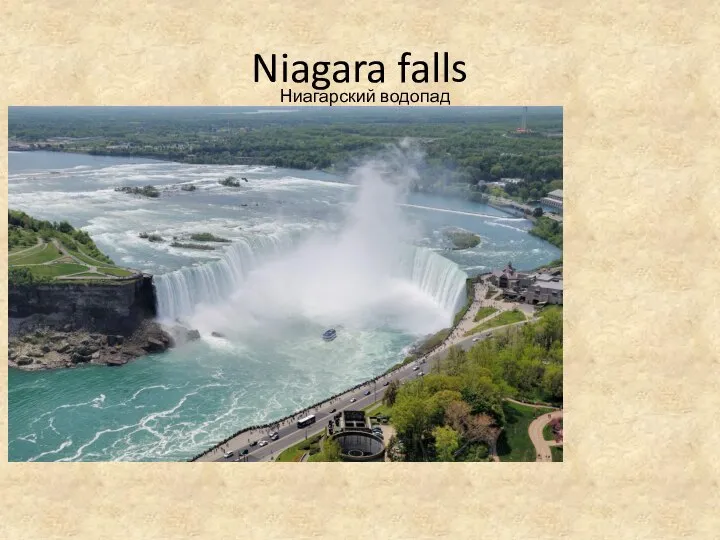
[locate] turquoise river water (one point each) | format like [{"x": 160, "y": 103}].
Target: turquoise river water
[{"x": 309, "y": 251}]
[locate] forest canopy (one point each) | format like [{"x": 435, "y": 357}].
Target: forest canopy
[{"x": 463, "y": 146}]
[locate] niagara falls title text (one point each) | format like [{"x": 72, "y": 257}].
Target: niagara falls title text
[{"x": 321, "y": 74}]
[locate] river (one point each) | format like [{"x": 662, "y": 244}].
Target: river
[{"x": 309, "y": 251}]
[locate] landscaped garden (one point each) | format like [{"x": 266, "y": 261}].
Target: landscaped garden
[
  {"x": 42, "y": 252},
  {"x": 506, "y": 317}
]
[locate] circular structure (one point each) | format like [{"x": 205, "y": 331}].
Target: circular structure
[{"x": 360, "y": 446}]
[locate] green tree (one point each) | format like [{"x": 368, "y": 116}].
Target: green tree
[
  {"x": 455, "y": 360},
  {"x": 537, "y": 212},
  {"x": 391, "y": 393},
  {"x": 553, "y": 382},
  {"x": 411, "y": 416},
  {"x": 65, "y": 227},
  {"x": 331, "y": 450},
  {"x": 447, "y": 441}
]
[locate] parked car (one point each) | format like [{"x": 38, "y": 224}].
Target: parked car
[
  {"x": 254, "y": 443},
  {"x": 229, "y": 454},
  {"x": 353, "y": 400},
  {"x": 262, "y": 443},
  {"x": 386, "y": 383},
  {"x": 333, "y": 411},
  {"x": 415, "y": 368},
  {"x": 475, "y": 340},
  {"x": 274, "y": 435},
  {"x": 245, "y": 452},
  {"x": 367, "y": 392}
]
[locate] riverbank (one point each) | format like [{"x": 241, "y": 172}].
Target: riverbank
[
  {"x": 47, "y": 349},
  {"x": 285, "y": 426}
]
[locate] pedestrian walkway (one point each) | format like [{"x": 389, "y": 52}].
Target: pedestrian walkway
[{"x": 542, "y": 447}]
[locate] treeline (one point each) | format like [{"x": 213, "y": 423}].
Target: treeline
[
  {"x": 24, "y": 231},
  {"x": 548, "y": 229},
  {"x": 456, "y": 413},
  {"x": 462, "y": 148}
]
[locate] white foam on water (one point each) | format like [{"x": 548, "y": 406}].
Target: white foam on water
[{"x": 367, "y": 273}]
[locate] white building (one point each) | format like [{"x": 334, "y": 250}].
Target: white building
[{"x": 554, "y": 199}]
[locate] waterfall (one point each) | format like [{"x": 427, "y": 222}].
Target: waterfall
[
  {"x": 439, "y": 278},
  {"x": 181, "y": 291}
]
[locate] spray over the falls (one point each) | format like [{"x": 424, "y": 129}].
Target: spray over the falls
[{"x": 366, "y": 274}]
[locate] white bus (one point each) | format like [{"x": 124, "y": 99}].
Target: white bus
[{"x": 306, "y": 421}]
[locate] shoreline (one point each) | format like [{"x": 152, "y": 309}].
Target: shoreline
[
  {"x": 44, "y": 349},
  {"x": 442, "y": 193},
  {"x": 454, "y": 337}
]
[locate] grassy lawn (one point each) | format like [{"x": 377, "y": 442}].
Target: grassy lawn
[
  {"x": 433, "y": 341},
  {"x": 484, "y": 312},
  {"x": 294, "y": 453},
  {"x": 547, "y": 433},
  {"x": 514, "y": 443},
  {"x": 39, "y": 255},
  {"x": 48, "y": 252},
  {"x": 55, "y": 270},
  {"x": 120, "y": 272},
  {"x": 15, "y": 251},
  {"x": 506, "y": 317},
  {"x": 378, "y": 409},
  {"x": 86, "y": 258},
  {"x": 557, "y": 453}
]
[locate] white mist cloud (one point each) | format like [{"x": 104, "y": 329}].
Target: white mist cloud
[{"x": 364, "y": 276}]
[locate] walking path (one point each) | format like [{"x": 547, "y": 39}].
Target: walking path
[
  {"x": 542, "y": 447},
  {"x": 468, "y": 322},
  {"x": 356, "y": 398},
  {"x": 88, "y": 267},
  {"x": 15, "y": 253},
  {"x": 533, "y": 405}
]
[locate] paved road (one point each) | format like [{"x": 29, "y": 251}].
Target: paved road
[
  {"x": 288, "y": 432},
  {"x": 542, "y": 447},
  {"x": 290, "y": 435}
]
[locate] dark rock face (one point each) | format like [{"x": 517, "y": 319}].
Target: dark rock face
[
  {"x": 64, "y": 325},
  {"x": 24, "y": 360},
  {"x": 192, "y": 335},
  {"x": 115, "y": 308},
  {"x": 116, "y": 361},
  {"x": 78, "y": 358},
  {"x": 115, "y": 340},
  {"x": 154, "y": 345}
]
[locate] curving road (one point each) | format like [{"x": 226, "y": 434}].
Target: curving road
[
  {"x": 290, "y": 435},
  {"x": 542, "y": 447},
  {"x": 288, "y": 432}
]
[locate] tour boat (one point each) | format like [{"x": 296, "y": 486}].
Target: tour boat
[{"x": 329, "y": 335}]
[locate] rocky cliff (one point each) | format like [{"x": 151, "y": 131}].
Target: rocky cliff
[
  {"x": 66, "y": 324},
  {"x": 113, "y": 307}
]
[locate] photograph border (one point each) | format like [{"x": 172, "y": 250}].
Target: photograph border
[{"x": 638, "y": 84}]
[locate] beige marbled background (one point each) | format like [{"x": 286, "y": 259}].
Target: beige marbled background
[{"x": 639, "y": 82}]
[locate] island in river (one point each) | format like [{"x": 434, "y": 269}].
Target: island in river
[{"x": 462, "y": 239}]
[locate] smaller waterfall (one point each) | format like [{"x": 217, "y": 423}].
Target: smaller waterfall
[
  {"x": 179, "y": 292},
  {"x": 439, "y": 278}
]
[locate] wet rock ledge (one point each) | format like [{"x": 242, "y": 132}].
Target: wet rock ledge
[
  {"x": 59, "y": 325},
  {"x": 50, "y": 349}
]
